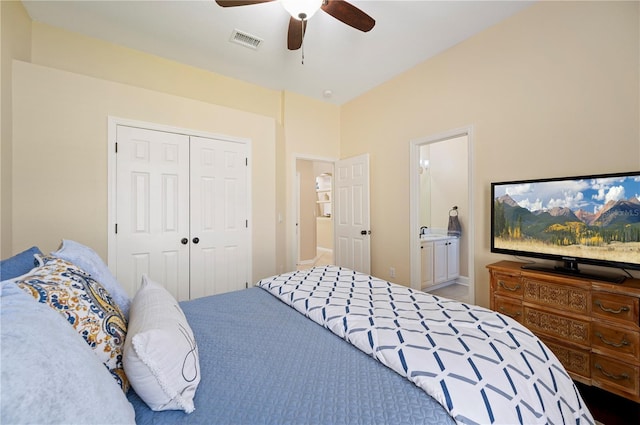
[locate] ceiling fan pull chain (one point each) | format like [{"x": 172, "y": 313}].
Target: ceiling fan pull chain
[{"x": 302, "y": 22}]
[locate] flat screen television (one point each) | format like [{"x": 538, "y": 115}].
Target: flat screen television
[{"x": 591, "y": 220}]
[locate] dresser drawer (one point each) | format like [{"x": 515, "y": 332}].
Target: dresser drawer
[
  {"x": 506, "y": 284},
  {"x": 566, "y": 297},
  {"x": 592, "y": 327},
  {"x": 557, "y": 326},
  {"x": 509, "y": 307},
  {"x": 615, "y": 307},
  {"x": 576, "y": 361},
  {"x": 618, "y": 341},
  {"x": 615, "y": 375}
]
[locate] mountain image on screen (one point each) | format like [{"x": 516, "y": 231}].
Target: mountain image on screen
[
  {"x": 617, "y": 221},
  {"x": 592, "y": 220}
]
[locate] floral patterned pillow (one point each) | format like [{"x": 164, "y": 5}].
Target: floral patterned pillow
[{"x": 86, "y": 305}]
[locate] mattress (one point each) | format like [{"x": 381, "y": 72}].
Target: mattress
[{"x": 262, "y": 362}]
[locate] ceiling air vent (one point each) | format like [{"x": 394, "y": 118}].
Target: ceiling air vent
[{"x": 244, "y": 39}]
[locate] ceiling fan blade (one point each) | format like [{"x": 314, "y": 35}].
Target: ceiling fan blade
[
  {"x": 296, "y": 33},
  {"x": 349, "y": 14},
  {"x": 234, "y": 3}
]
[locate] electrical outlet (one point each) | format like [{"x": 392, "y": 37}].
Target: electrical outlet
[{"x": 392, "y": 271}]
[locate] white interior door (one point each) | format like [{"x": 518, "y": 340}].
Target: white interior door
[
  {"x": 219, "y": 217},
  {"x": 352, "y": 217},
  {"x": 182, "y": 210},
  {"x": 152, "y": 180}
]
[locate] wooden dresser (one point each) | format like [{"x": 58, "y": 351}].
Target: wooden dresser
[{"x": 593, "y": 327}]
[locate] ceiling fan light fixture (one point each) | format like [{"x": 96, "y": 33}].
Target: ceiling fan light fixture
[{"x": 301, "y": 10}]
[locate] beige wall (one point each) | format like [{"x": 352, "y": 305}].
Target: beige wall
[
  {"x": 57, "y": 48},
  {"x": 324, "y": 225},
  {"x": 312, "y": 131},
  {"x": 69, "y": 51},
  {"x": 60, "y": 164},
  {"x": 552, "y": 91},
  {"x": 15, "y": 41},
  {"x": 314, "y": 231},
  {"x": 305, "y": 126},
  {"x": 313, "y": 126},
  {"x": 324, "y": 230},
  {"x": 307, "y": 217}
]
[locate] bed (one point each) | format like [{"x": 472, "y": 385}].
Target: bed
[
  {"x": 283, "y": 368},
  {"x": 322, "y": 346}
]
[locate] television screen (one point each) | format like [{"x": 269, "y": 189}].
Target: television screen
[{"x": 588, "y": 219}]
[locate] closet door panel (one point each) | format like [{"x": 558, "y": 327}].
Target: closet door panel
[
  {"x": 219, "y": 214},
  {"x": 152, "y": 209}
]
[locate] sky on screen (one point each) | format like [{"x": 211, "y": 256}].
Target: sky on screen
[{"x": 587, "y": 194}]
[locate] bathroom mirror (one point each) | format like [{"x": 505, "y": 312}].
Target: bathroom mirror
[
  {"x": 443, "y": 182},
  {"x": 424, "y": 215}
]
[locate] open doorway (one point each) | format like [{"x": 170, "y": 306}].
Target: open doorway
[
  {"x": 440, "y": 181},
  {"x": 314, "y": 217}
]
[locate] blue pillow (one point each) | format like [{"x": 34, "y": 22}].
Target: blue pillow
[
  {"x": 19, "y": 264},
  {"x": 49, "y": 373},
  {"x": 88, "y": 260}
]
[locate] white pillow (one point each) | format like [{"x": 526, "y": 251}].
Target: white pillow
[
  {"x": 160, "y": 353},
  {"x": 88, "y": 260},
  {"x": 49, "y": 373}
]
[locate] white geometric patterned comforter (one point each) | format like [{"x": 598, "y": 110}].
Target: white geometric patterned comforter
[{"x": 483, "y": 367}]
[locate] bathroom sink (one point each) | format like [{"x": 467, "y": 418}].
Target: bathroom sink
[{"x": 433, "y": 237}]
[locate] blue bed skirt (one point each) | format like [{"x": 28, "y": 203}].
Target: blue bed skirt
[{"x": 262, "y": 362}]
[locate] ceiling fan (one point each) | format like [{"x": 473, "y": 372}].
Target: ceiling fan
[{"x": 302, "y": 10}]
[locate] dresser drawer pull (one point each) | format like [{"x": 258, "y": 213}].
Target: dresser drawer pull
[
  {"x": 507, "y": 313},
  {"x": 623, "y": 343},
  {"x": 610, "y": 310},
  {"x": 610, "y": 376},
  {"x": 508, "y": 288}
]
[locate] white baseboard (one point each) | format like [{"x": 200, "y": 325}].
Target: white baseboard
[
  {"x": 463, "y": 280},
  {"x": 316, "y": 258},
  {"x": 307, "y": 262},
  {"x": 460, "y": 280}
]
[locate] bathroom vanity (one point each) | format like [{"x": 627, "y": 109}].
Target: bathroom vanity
[{"x": 440, "y": 259}]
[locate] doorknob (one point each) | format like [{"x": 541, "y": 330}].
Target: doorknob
[
  {"x": 184, "y": 241},
  {"x": 196, "y": 240},
  {"x": 365, "y": 232}
]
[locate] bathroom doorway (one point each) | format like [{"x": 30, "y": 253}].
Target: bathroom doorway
[
  {"x": 440, "y": 179},
  {"x": 314, "y": 218}
]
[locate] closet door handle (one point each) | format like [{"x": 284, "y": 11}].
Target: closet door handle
[
  {"x": 196, "y": 240},
  {"x": 184, "y": 241}
]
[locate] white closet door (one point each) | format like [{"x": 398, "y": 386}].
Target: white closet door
[
  {"x": 351, "y": 209},
  {"x": 152, "y": 209},
  {"x": 219, "y": 214}
]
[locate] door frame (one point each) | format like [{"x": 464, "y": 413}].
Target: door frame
[
  {"x": 414, "y": 195},
  {"x": 112, "y": 124},
  {"x": 295, "y": 206}
]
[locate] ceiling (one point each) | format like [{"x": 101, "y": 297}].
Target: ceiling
[{"x": 340, "y": 63}]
